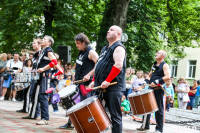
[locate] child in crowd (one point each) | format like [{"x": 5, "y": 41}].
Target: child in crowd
[
  {"x": 69, "y": 79},
  {"x": 197, "y": 95},
  {"x": 182, "y": 93},
  {"x": 125, "y": 105},
  {"x": 169, "y": 98},
  {"x": 61, "y": 83}
]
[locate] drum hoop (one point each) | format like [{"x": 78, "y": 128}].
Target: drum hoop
[
  {"x": 73, "y": 109},
  {"x": 140, "y": 93},
  {"x": 149, "y": 112},
  {"x": 68, "y": 93}
]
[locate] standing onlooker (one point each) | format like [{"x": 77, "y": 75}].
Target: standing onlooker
[
  {"x": 129, "y": 80},
  {"x": 192, "y": 92},
  {"x": 197, "y": 96},
  {"x": 9, "y": 57},
  {"x": 30, "y": 56},
  {"x": 138, "y": 81},
  {"x": 182, "y": 89},
  {"x": 3, "y": 62},
  {"x": 67, "y": 69},
  {"x": 172, "y": 82},
  {"x": 169, "y": 98},
  {"x": 133, "y": 73},
  {"x": 15, "y": 65},
  {"x": 28, "y": 66}
]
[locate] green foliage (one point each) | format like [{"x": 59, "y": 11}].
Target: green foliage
[
  {"x": 21, "y": 21},
  {"x": 153, "y": 25}
]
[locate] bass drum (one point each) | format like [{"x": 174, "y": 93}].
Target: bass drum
[
  {"x": 89, "y": 116},
  {"x": 143, "y": 102}
]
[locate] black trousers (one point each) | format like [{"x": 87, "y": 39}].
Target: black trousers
[
  {"x": 27, "y": 98},
  {"x": 113, "y": 102},
  {"x": 41, "y": 98},
  {"x": 158, "y": 114}
]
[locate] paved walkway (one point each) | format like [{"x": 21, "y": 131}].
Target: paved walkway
[{"x": 11, "y": 122}]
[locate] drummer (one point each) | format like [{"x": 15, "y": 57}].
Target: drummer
[
  {"x": 84, "y": 65},
  {"x": 31, "y": 91},
  {"x": 159, "y": 75},
  {"x": 111, "y": 67}
]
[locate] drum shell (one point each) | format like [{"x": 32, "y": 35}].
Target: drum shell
[
  {"x": 94, "y": 111},
  {"x": 143, "y": 103}
]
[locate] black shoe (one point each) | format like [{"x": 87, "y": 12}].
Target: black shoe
[
  {"x": 28, "y": 117},
  {"x": 142, "y": 129},
  {"x": 67, "y": 126},
  {"x": 21, "y": 111},
  {"x": 130, "y": 113}
]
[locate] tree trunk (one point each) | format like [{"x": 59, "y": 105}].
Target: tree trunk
[
  {"x": 114, "y": 14},
  {"x": 50, "y": 8}
]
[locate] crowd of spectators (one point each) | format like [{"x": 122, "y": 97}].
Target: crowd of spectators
[
  {"x": 12, "y": 64},
  {"x": 188, "y": 96}
]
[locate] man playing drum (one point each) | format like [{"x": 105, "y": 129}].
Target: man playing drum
[
  {"x": 111, "y": 67},
  {"x": 84, "y": 65},
  {"x": 30, "y": 92},
  {"x": 159, "y": 75}
]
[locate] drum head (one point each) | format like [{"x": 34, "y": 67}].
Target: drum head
[
  {"x": 142, "y": 92},
  {"x": 82, "y": 104},
  {"x": 67, "y": 91}
]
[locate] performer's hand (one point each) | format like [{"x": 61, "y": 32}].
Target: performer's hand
[
  {"x": 40, "y": 70},
  {"x": 91, "y": 85},
  {"x": 86, "y": 78},
  {"x": 105, "y": 84},
  {"x": 153, "y": 85}
]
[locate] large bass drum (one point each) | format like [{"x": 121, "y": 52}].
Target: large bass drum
[
  {"x": 89, "y": 116},
  {"x": 142, "y": 102}
]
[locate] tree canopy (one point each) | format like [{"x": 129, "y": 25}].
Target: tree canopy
[{"x": 150, "y": 25}]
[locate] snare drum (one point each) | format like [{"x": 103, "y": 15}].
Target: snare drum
[
  {"x": 35, "y": 76},
  {"x": 22, "y": 77},
  {"x": 89, "y": 116},
  {"x": 21, "y": 86},
  {"x": 143, "y": 102},
  {"x": 69, "y": 96}
]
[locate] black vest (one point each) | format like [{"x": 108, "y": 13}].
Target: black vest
[
  {"x": 83, "y": 64},
  {"x": 104, "y": 66},
  {"x": 35, "y": 58},
  {"x": 43, "y": 59},
  {"x": 157, "y": 71}
]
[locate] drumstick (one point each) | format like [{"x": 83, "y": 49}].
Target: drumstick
[
  {"x": 161, "y": 88},
  {"x": 90, "y": 89},
  {"x": 113, "y": 83},
  {"x": 78, "y": 81}
]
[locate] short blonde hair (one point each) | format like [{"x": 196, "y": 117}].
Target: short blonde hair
[{"x": 2, "y": 55}]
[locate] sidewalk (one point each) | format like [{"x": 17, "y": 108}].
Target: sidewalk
[{"x": 11, "y": 122}]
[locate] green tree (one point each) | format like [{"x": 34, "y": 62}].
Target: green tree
[
  {"x": 27, "y": 19},
  {"x": 154, "y": 25}
]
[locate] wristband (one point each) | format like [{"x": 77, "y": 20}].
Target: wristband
[
  {"x": 113, "y": 73},
  {"x": 53, "y": 63},
  {"x": 58, "y": 73},
  {"x": 93, "y": 78}
]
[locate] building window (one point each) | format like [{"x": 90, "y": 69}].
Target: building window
[
  {"x": 174, "y": 67},
  {"x": 192, "y": 68}
]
